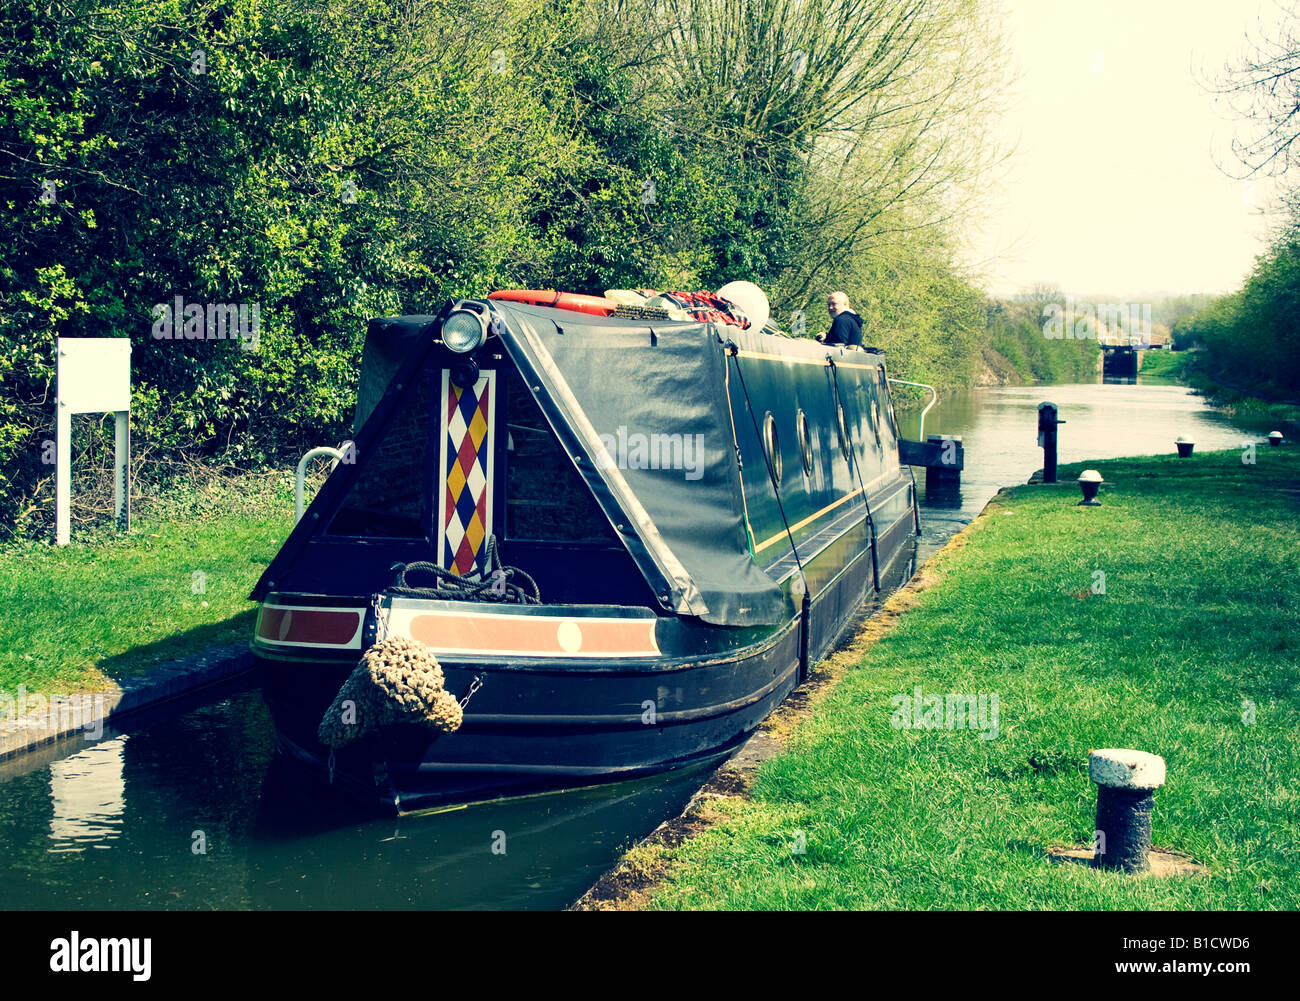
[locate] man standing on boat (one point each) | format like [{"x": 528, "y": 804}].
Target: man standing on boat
[{"x": 846, "y": 325}]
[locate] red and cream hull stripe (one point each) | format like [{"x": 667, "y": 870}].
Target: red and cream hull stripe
[
  {"x": 459, "y": 629},
  {"x": 309, "y": 627},
  {"x": 450, "y": 630}
]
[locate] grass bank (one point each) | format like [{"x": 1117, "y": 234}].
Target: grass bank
[
  {"x": 1015, "y": 351},
  {"x": 110, "y": 605},
  {"x": 1194, "y": 368},
  {"x": 1162, "y": 367},
  {"x": 1190, "y": 652}
]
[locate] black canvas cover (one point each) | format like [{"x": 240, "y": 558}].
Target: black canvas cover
[
  {"x": 390, "y": 342},
  {"x": 642, "y": 407}
]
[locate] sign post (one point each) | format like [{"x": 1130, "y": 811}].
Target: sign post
[{"x": 93, "y": 376}]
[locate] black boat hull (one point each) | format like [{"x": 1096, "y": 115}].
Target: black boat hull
[
  {"x": 534, "y": 724},
  {"x": 694, "y": 511}
]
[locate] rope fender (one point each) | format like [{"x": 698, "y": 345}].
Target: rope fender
[{"x": 397, "y": 681}]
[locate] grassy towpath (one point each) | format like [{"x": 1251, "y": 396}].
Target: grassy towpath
[
  {"x": 108, "y": 606},
  {"x": 1191, "y": 652}
]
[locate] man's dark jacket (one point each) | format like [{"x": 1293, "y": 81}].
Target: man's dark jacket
[{"x": 846, "y": 328}]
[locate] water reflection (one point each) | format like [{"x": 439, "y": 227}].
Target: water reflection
[
  {"x": 273, "y": 839},
  {"x": 88, "y": 790},
  {"x": 536, "y": 851},
  {"x": 948, "y": 496}
]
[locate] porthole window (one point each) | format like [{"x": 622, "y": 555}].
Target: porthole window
[
  {"x": 845, "y": 447},
  {"x": 868, "y": 404},
  {"x": 772, "y": 445},
  {"x": 805, "y": 445},
  {"x": 889, "y": 401}
]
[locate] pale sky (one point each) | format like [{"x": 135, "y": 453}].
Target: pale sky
[{"x": 1113, "y": 187}]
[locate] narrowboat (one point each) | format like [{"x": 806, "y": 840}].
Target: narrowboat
[{"x": 688, "y": 504}]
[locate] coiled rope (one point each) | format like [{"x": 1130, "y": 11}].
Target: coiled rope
[
  {"x": 495, "y": 582},
  {"x": 399, "y": 680}
]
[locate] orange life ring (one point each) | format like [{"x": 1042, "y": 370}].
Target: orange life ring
[{"x": 596, "y": 304}]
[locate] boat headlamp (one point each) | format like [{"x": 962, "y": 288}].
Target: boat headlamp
[{"x": 464, "y": 330}]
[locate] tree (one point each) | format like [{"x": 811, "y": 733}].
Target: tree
[{"x": 1262, "y": 90}]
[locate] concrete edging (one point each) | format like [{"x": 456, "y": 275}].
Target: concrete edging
[{"x": 65, "y": 715}]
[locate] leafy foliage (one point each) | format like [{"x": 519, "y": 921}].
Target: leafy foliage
[
  {"x": 1252, "y": 337},
  {"x": 332, "y": 161}
]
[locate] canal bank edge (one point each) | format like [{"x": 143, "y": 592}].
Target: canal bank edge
[
  {"x": 65, "y": 715},
  {"x": 630, "y": 883}
]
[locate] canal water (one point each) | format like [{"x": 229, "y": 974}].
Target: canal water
[
  {"x": 1104, "y": 420},
  {"x": 195, "y": 810},
  {"x": 192, "y": 808}
]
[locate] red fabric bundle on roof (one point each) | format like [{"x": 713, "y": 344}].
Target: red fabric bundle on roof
[{"x": 703, "y": 306}]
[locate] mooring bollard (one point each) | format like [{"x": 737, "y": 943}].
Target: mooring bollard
[
  {"x": 1047, "y": 422},
  {"x": 1090, "y": 482},
  {"x": 1126, "y": 784},
  {"x": 1185, "y": 446},
  {"x": 1275, "y": 438}
]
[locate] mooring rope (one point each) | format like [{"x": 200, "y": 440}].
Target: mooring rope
[
  {"x": 494, "y": 583},
  {"x": 740, "y": 462},
  {"x": 803, "y": 594},
  {"x": 734, "y": 351},
  {"x": 857, "y": 473}
]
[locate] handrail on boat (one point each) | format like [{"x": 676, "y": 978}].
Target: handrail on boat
[
  {"x": 934, "y": 398},
  {"x": 301, "y": 475}
]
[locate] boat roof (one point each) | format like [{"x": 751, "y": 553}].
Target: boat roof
[{"x": 598, "y": 380}]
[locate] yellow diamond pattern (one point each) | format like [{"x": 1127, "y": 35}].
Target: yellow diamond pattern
[
  {"x": 474, "y": 532},
  {"x": 477, "y": 429},
  {"x": 455, "y": 479}
]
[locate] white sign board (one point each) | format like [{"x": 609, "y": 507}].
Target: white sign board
[
  {"x": 94, "y": 374},
  {"x": 94, "y": 377}
]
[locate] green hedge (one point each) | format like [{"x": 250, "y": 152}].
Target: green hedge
[{"x": 332, "y": 162}]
